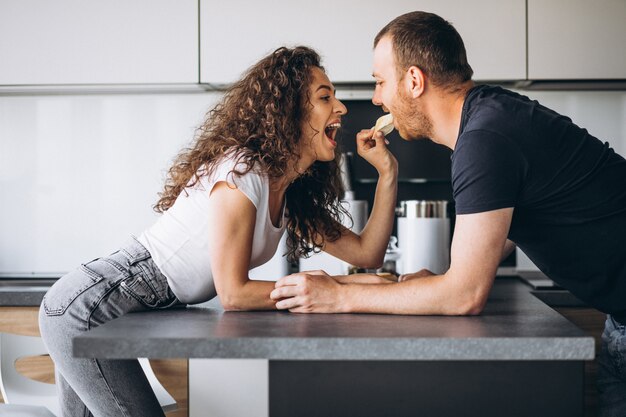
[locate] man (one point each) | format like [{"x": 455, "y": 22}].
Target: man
[{"x": 521, "y": 174}]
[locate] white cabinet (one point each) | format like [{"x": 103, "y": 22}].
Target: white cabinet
[
  {"x": 576, "y": 39},
  {"x": 98, "y": 42},
  {"x": 238, "y": 33},
  {"x": 229, "y": 388}
]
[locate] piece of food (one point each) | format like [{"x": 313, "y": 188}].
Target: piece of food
[
  {"x": 384, "y": 124},
  {"x": 387, "y": 275}
]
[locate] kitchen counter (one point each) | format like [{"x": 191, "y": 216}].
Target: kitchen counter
[
  {"x": 518, "y": 358},
  {"x": 513, "y": 326},
  {"x": 23, "y": 292}
]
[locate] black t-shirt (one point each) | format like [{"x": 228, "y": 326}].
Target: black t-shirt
[{"x": 568, "y": 190}]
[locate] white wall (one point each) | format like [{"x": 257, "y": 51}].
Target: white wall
[
  {"x": 602, "y": 113},
  {"x": 79, "y": 173}
]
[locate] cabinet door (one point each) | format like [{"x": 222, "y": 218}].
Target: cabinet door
[
  {"x": 238, "y": 33},
  {"x": 576, "y": 39},
  {"x": 98, "y": 42}
]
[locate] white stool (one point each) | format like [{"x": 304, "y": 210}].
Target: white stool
[
  {"x": 40, "y": 396},
  {"x": 16, "y": 388}
]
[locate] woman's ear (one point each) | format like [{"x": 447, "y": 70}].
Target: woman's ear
[{"x": 415, "y": 81}]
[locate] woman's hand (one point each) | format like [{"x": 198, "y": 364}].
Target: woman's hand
[{"x": 374, "y": 150}]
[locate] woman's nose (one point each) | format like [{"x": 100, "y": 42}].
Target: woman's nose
[{"x": 341, "y": 108}]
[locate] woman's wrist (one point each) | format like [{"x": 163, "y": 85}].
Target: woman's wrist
[
  {"x": 388, "y": 176},
  {"x": 389, "y": 171}
]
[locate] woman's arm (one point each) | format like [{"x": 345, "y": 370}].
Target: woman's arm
[
  {"x": 367, "y": 250},
  {"x": 232, "y": 218}
]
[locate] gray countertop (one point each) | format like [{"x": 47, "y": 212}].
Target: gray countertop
[
  {"x": 514, "y": 325},
  {"x": 23, "y": 292}
]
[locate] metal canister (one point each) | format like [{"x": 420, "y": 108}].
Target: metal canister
[
  {"x": 423, "y": 208},
  {"x": 424, "y": 235}
]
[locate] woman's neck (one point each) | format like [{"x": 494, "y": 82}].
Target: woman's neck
[{"x": 293, "y": 172}]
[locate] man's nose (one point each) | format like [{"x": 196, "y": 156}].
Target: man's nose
[{"x": 376, "y": 98}]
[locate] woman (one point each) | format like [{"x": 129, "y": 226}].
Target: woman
[{"x": 264, "y": 161}]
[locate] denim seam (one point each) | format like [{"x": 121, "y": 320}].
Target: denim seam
[
  {"x": 96, "y": 277},
  {"x": 147, "y": 274},
  {"x": 106, "y": 383},
  {"x": 118, "y": 266},
  {"x": 140, "y": 256},
  {"x": 136, "y": 297},
  {"x": 62, "y": 308},
  {"x": 95, "y": 305}
]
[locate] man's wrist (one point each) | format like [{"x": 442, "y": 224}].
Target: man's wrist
[{"x": 344, "y": 305}]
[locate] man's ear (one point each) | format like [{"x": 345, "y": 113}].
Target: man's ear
[{"x": 415, "y": 81}]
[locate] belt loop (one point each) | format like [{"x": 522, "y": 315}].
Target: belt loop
[{"x": 135, "y": 250}]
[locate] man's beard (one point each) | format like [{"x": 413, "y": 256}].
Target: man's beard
[{"x": 416, "y": 124}]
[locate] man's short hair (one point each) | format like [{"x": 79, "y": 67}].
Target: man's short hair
[{"x": 430, "y": 43}]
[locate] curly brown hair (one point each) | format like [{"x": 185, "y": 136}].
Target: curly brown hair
[{"x": 260, "y": 117}]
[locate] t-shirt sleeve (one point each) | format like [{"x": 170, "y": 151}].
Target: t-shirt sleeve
[
  {"x": 251, "y": 183},
  {"x": 487, "y": 172}
]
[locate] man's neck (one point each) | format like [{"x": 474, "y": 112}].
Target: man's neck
[{"x": 445, "y": 112}]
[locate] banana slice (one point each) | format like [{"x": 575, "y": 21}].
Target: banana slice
[{"x": 384, "y": 124}]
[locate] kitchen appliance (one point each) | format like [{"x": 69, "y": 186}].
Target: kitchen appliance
[
  {"x": 392, "y": 257},
  {"x": 424, "y": 236}
]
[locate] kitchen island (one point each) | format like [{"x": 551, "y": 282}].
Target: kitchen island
[{"x": 518, "y": 358}]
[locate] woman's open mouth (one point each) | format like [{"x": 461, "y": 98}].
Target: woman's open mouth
[{"x": 331, "y": 132}]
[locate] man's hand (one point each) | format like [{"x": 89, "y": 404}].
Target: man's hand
[
  {"x": 419, "y": 274},
  {"x": 307, "y": 292}
]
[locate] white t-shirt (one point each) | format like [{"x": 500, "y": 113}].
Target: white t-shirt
[{"x": 179, "y": 241}]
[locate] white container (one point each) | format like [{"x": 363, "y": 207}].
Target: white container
[{"x": 424, "y": 236}]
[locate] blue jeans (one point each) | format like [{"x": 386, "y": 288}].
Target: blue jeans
[
  {"x": 612, "y": 370},
  {"x": 98, "y": 291}
]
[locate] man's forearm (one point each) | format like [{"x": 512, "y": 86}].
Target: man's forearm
[
  {"x": 362, "y": 279},
  {"x": 433, "y": 295}
]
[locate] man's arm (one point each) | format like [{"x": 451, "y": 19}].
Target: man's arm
[
  {"x": 477, "y": 248},
  {"x": 509, "y": 247}
]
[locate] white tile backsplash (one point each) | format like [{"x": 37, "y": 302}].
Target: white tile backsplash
[{"x": 79, "y": 173}]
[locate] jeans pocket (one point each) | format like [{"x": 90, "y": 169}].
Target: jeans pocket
[
  {"x": 141, "y": 289},
  {"x": 68, "y": 288}
]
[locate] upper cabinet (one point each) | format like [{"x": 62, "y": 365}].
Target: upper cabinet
[
  {"x": 237, "y": 33},
  {"x": 98, "y": 42},
  {"x": 576, "y": 39}
]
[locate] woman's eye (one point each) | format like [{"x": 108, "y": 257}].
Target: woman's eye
[{"x": 326, "y": 98}]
